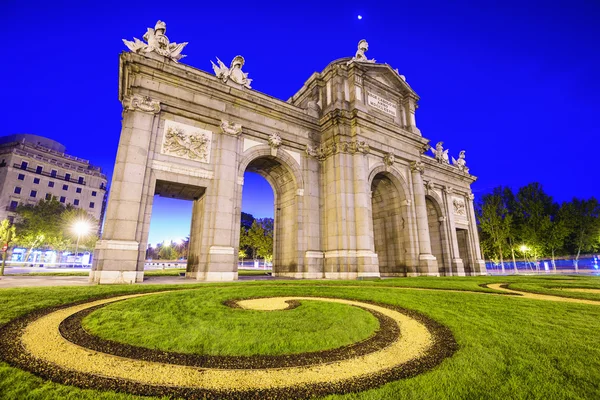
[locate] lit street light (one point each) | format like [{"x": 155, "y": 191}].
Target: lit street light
[{"x": 81, "y": 228}]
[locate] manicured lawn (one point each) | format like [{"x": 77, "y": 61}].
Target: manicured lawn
[{"x": 509, "y": 347}]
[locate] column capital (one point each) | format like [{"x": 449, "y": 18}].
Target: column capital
[
  {"x": 141, "y": 103},
  {"x": 417, "y": 166}
]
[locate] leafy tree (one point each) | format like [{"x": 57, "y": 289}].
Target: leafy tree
[
  {"x": 556, "y": 233},
  {"x": 259, "y": 238},
  {"x": 534, "y": 207},
  {"x": 495, "y": 223},
  {"x": 247, "y": 220},
  {"x": 69, "y": 219},
  {"x": 7, "y": 236},
  {"x": 167, "y": 252},
  {"x": 583, "y": 218}
]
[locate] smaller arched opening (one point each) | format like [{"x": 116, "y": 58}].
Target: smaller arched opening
[
  {"x": 437, "y": 235},
  {"x": 285, "y": 210},
  {"x": 389, "y": 225}
]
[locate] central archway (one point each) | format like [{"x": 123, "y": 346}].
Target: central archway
[
  {"x": 283, "y": 176},
  {"x": 390, "y": 225}
]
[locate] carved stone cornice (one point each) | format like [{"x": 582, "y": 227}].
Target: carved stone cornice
[
  {"x": 471, "y": 196},
  {"x": 230, "y": 128},
  {"x": 389, "y": 159},
  {"x": 321, "y": 153},
  {"x": 417, "y": 166},
  {"x": 145, "y": 104}
]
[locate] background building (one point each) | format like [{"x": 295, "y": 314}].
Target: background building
[{"x": 34, "y": 167}]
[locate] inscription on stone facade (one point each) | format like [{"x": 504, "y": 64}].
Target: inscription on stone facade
[
  {"x": 185, "y": 141},
  {"x": 381, "y": 104}
]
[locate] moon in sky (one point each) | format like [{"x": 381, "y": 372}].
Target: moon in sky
[{"x": 360, "y": 17}]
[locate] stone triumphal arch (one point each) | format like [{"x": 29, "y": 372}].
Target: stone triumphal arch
[{"x": 356, "y": 195}]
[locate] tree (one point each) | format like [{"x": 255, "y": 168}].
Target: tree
[
  {"x": 556, "y": 232},
  {"x": 259, "y": 238},
  {"x": 70, "y": 218},
  {"x": 7, "y": 236},
  {"x": 583, "y": 219},
  {"x": 246, "y": 220},
  {"x": 167, "y": 252},
  {"x": 495, "y": 223},
  {"x": 533, "y": 209}
]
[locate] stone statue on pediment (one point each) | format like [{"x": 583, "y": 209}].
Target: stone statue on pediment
[
  {"x": 363, "y": 46},
  {"x": 461, "y": 163},
  {"x": 440, "y": 154},
  {"x": 157, "y": 42},
  {"x": 234, "y": 72}
]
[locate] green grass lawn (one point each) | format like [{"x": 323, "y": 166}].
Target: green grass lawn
[{"x": 510, "y": 347}]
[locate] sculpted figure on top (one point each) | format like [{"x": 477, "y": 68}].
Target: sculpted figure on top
[
  {"x": 234, "y": 72},
  {"x": 360, "y": 53},
  {"x": 158, "y": 42},
  {"x": 461, "y": 163},
  {"x": 441, "y": 155}
]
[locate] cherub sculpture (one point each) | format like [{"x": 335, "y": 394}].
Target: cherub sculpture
[
  {"x": 360, "y": 53},
  {"x": 441, "y": 155},
  {"x": 234, "y": 72},
  {"x": 461, "y": 163},
  {"x": 158, "y": 42}
]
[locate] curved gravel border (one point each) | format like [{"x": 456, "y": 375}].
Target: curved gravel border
[
  {"x": 22, "y": 336},
  {"x": 72, "y": 330},
  {"x": 536, "y": 296}
]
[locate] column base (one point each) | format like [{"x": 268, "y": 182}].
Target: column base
[
  {"x": 458, "y": 268},
  {"x": 300, "y": 275},
  {"x": 116, "y": 277},
  {"x": 428, "y": 265},
  {"x": 481, "y": 267}
]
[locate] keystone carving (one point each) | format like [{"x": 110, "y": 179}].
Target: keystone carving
[
  {"x": 389, "y": 159},
  {"x": 274, "y": 140}
]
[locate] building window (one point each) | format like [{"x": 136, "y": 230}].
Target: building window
[
  {"x": 24, "y": 165},
  {"x": 48, "y": 196},
  {"x": 76, "y": 202},
  {"x": 53, "y": 173},
  {"x": 33, "y": 193},
  {"x": 39, "y": 169},
  {"x": 21, "y": 177},
  {"x": 80, "y": 181},
  {"x": 92, "y": 205},
  {"x": 50, "y": 184},
  {"x": 67, "y": 177},
  {"x": 14, "y": 204},
  {"x": 63, "y": 199},
  {"x": 36, "y": 180},
  {"x": 65, "y": 187},
  {"x": 17, "y": 190},
  {"x": 78, "y": 190},
  {"x": 93, "y": 193}
]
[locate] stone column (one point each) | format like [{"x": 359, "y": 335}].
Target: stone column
[
  {"x": 410, "y": 107},
  {"x": 427, "y": 262},
  {"x": 479, "y": 261},
  {"x": 116, "y": 255},
  {"x": 457, "y": 263}
]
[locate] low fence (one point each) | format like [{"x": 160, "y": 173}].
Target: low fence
[{"x": 587, "y": 264}]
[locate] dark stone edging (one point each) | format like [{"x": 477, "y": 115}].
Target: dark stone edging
[
  {"x": 72, "y": 330},
  {"x": 13, "y": 352}
]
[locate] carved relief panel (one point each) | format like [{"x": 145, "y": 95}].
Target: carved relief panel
[{"x": 186, "y": 141}]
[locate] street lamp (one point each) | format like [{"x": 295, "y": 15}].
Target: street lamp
[{"x": 81, "y": 228}]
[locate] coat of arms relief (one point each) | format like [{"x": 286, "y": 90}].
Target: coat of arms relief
[{"x": 186, "y": 141}]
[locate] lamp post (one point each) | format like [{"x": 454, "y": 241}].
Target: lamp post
[{"x": 81, "y": 228}]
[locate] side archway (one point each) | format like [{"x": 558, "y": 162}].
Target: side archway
[
  {"x": 283, "y": 174},
  {"x": 438, "y": 234}
]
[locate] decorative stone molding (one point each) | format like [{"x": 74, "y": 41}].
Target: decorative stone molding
[
  {"x": 158, "y": 43},
  {"x": 220, "y": 250},
  {"x": 442, "y": 219},
  {"x": 233, "y": 73},
  {"x": 448, "y": 189},
  {"x": 176, "y": 169},
  {"x": 471, "y": 196},
  {"x": 141, "y": 103},
  {"x": 321, "y": 153},
  {"x": 274, "y": 142},
  {"x": 417, "y": 166},
  {"x": 389, "y": 159},
  {"x": 459, "y": 207},
  {"x": 425, "y": 148},
  {"x": 358, "y": 79},
  {"x": 186, "y": 141},
  {"x": 429, "y": 186},
  {"x": 406, "y": 203},
  {"x": 230, "y": 128}
]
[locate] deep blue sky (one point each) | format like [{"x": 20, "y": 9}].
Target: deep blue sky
[{"x": 514, "y": 83}]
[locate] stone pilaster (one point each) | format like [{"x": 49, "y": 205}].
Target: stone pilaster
[
  {"x": 479, "y": 261},
  {"x": 457, "y": 263},
  {"x": 116, "y": 255},
  {"x": 427, "y": 262}
]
